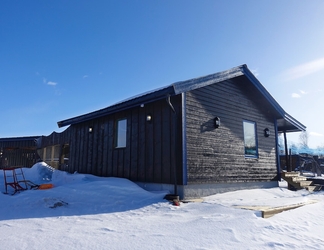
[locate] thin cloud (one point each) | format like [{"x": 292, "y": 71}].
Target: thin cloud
[
  {"x": 304, "y": 69},
  {"x": 52, "y": 83},
  {"x": 255, "y": 72},
  {"x": 85, "y": 76},
  {"x": 316, "y": 134},
  {"x": 295, "y": 95}
]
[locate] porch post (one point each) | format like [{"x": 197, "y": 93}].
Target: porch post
[
  {"x": 286, "y": 153},
  {"x": 289, "y": 169}
]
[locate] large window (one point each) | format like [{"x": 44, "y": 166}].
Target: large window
[
  {"x": 121, "y": 133},
  {"x": 250, "y": 139}
]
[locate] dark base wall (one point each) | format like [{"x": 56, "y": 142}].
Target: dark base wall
[{"x": 203, "y": 190}]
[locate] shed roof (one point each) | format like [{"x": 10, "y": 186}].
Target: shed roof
[
  {"x": 14, "y": 139},
  {"x": 285, "y": 122}
]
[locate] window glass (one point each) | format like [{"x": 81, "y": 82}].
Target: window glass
[
  {"x": 121, "y": 133},
  {"x": 250, "y": 139}
]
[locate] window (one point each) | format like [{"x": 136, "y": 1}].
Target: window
[
  {"x": 250, "y": 139},
  {"x": 121, "y": 133}
]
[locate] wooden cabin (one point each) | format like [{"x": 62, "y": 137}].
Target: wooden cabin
[
  {"x": 18, "y": 151},
  {"x": 194, "y": 138}
]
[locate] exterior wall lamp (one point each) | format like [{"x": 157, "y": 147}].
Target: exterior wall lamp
[
  {"x": 149, "y": 118},
  {"x": 216, "y": 122},
  {"x": 90, "y": 129},
  {"x": 266, "y": 132}
]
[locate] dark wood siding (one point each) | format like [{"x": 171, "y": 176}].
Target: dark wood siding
[
  {"x": 217, "y": 155},
  {"x": 54, "y": 149},
  {"x": 18, "y": 152},
  {"x": 149, "y": 155}
]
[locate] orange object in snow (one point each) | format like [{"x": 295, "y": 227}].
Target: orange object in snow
[{"x": 46, "y": 186}]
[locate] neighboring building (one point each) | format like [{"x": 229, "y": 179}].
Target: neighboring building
[
  {"x": 54, "y": 149},
  {"x": 195, "y": 138},
  {"x": 18, "y": 151},
  {"x": 305, "y": 163}
]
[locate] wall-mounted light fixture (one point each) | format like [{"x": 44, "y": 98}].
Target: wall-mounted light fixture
[
  {"x": 266, "y": 132},
  {"x": 216, "y": 122},
  {"x": 149, "y": 118},
  {"x": 90, "y": 129}
]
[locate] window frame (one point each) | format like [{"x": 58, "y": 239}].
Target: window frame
[
  {"x": 255, "y": 153},
  {"x": 121, "y": 133}
]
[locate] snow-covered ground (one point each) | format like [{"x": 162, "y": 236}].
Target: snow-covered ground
[{"x": 88, "y": 212}]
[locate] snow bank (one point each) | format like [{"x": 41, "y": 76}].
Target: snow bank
[{"x": 89, "y": 212}]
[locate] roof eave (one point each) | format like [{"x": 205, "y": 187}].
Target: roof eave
[
  {"x": 298, "y": 126},
  {"x": 294, "y": 125},
  {"x": 188, "y": 85},
  {"x": 22, "y": 138},
  {"x": 129, "y": 103}
]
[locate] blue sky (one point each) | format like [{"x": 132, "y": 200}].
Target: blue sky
[{"x": 60, "y": 59}]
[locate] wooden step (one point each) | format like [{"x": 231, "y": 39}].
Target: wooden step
[
  {"x": 299, "y": 182},
  {"x": 289, "y": 174},
  {"x": 303, "y": 184},
  {"x": 313, "y": 188},
  {"x": 298, "y": 178}
]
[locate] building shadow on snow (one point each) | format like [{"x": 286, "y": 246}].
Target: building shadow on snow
[{"x": 87, "y": 198}]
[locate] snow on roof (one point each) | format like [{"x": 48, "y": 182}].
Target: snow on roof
[{"x": 285, "y": 121}]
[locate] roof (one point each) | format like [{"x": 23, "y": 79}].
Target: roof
[
  {"x": 24, "y": 138},
  {"x": 285, "y": 122}
]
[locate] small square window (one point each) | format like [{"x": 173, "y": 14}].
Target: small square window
[
  {"x": 250, "y": 139},
  {"x": 121, "y": 133}
]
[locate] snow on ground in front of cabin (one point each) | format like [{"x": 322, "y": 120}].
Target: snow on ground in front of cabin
[{"x": 88, "y": 212}]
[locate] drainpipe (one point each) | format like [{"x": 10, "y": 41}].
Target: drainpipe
[
  {"x": 290, "y": 187},
  {"x": 176, "y": 143},
  {"x": 277, "y": 151},
  {"x": 286, "y": 153}
]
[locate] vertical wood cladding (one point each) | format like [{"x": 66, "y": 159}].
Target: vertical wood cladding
[
  {"x": 18, "y": 152},
  {"x": 149, "y": 155},
  {"x": 153, "y": 148},
  {"x": 217, "y": 155}
]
